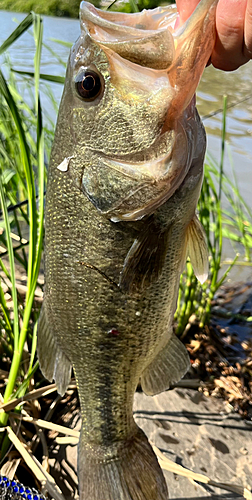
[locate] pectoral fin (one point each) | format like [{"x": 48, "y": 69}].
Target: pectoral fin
[
  {"x": 145, "y": 259},
  {"x": 197, "y": 249},
  {"x": 53, "y": 362},
  {"x": 168, "y": 367}
]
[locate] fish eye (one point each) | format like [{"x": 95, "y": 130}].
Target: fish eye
[{"x": 89, "y": 84}]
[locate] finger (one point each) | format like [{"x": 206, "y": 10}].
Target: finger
[
  {"x": 248, "y": 31},
  {"x": 186, "y": 8},
  {"x": 228, "y": 53}
]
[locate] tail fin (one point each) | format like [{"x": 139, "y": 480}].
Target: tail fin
[{"x": 129, "y": 471}]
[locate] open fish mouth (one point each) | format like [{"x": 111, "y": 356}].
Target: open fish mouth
[
  {"x": 148, "y": 43},
  {"x": 150, "y": 39},
  {"x": 144, "y": 38}
]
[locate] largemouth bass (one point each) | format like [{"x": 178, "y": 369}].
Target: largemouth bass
[{"x": 124, "y": 179}]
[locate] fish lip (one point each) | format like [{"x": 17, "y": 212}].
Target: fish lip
[
  {"x": 97, "y": 16},
  {"x": 136, "y": 37}
]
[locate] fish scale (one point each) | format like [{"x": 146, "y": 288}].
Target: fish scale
[{"x": 124, "y": 179}]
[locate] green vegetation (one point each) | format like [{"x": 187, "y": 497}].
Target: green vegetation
[
  {"x": 234, "y": 223},
  {"x": 47, "y": 7},
  {"x": 71, "y": 8},
  {"x": 22, "y": 178},
  {"x": 24, "y": 147}
]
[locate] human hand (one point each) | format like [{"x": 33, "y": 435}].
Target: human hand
[{"x": 233, "y": 46}]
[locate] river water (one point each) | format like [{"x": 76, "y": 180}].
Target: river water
[{"x": 214, "y": 84}]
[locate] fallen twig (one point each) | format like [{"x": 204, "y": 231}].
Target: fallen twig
[
  {"x": 37, "y": 393},
  {"x": 48, "y": 425}
]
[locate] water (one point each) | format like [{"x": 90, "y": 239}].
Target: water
[{"x": 236, "y": 85}]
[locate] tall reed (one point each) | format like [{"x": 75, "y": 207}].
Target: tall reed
[{"x": 22, "y": 156}]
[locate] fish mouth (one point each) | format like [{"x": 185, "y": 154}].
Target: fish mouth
[
  {"x": 144, "y": 38},
  {"x": 151, "y": 40},
  {"x": 141, "y": 182}
]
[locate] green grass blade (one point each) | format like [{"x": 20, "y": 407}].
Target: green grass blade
[
  {"x": 48, "y": 78},
  {"x": 16, "y": 355},
  {"x": 25, "y": 155},
  {"x": 20, "y": 392},
  {"x": 219, "y": 283},
  {"x": 21, "y": 28},
  {"x": 40, "y": 150},
  {"x": 61, "y": 42},
  {"x": 223, "y": 143},
  {"x": 5, "y": 270},
  {"x": 12, "y": 265},
  {"x": 33, "y": 348},
  {"x": 20, "y": 237},
  {"x": 34, "y": 213},
  {"x": 5, "y": 310},
  {"x": 32, "y": 368},
  {"x": 38, "y": 35},
  {"x": 133, "y": 5},
  {"x": 41, "y": 193}
]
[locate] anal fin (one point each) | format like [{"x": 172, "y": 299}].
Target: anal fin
[
  {"x": 168, "y": 367},
  {"x": 53, "y": 362}
]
